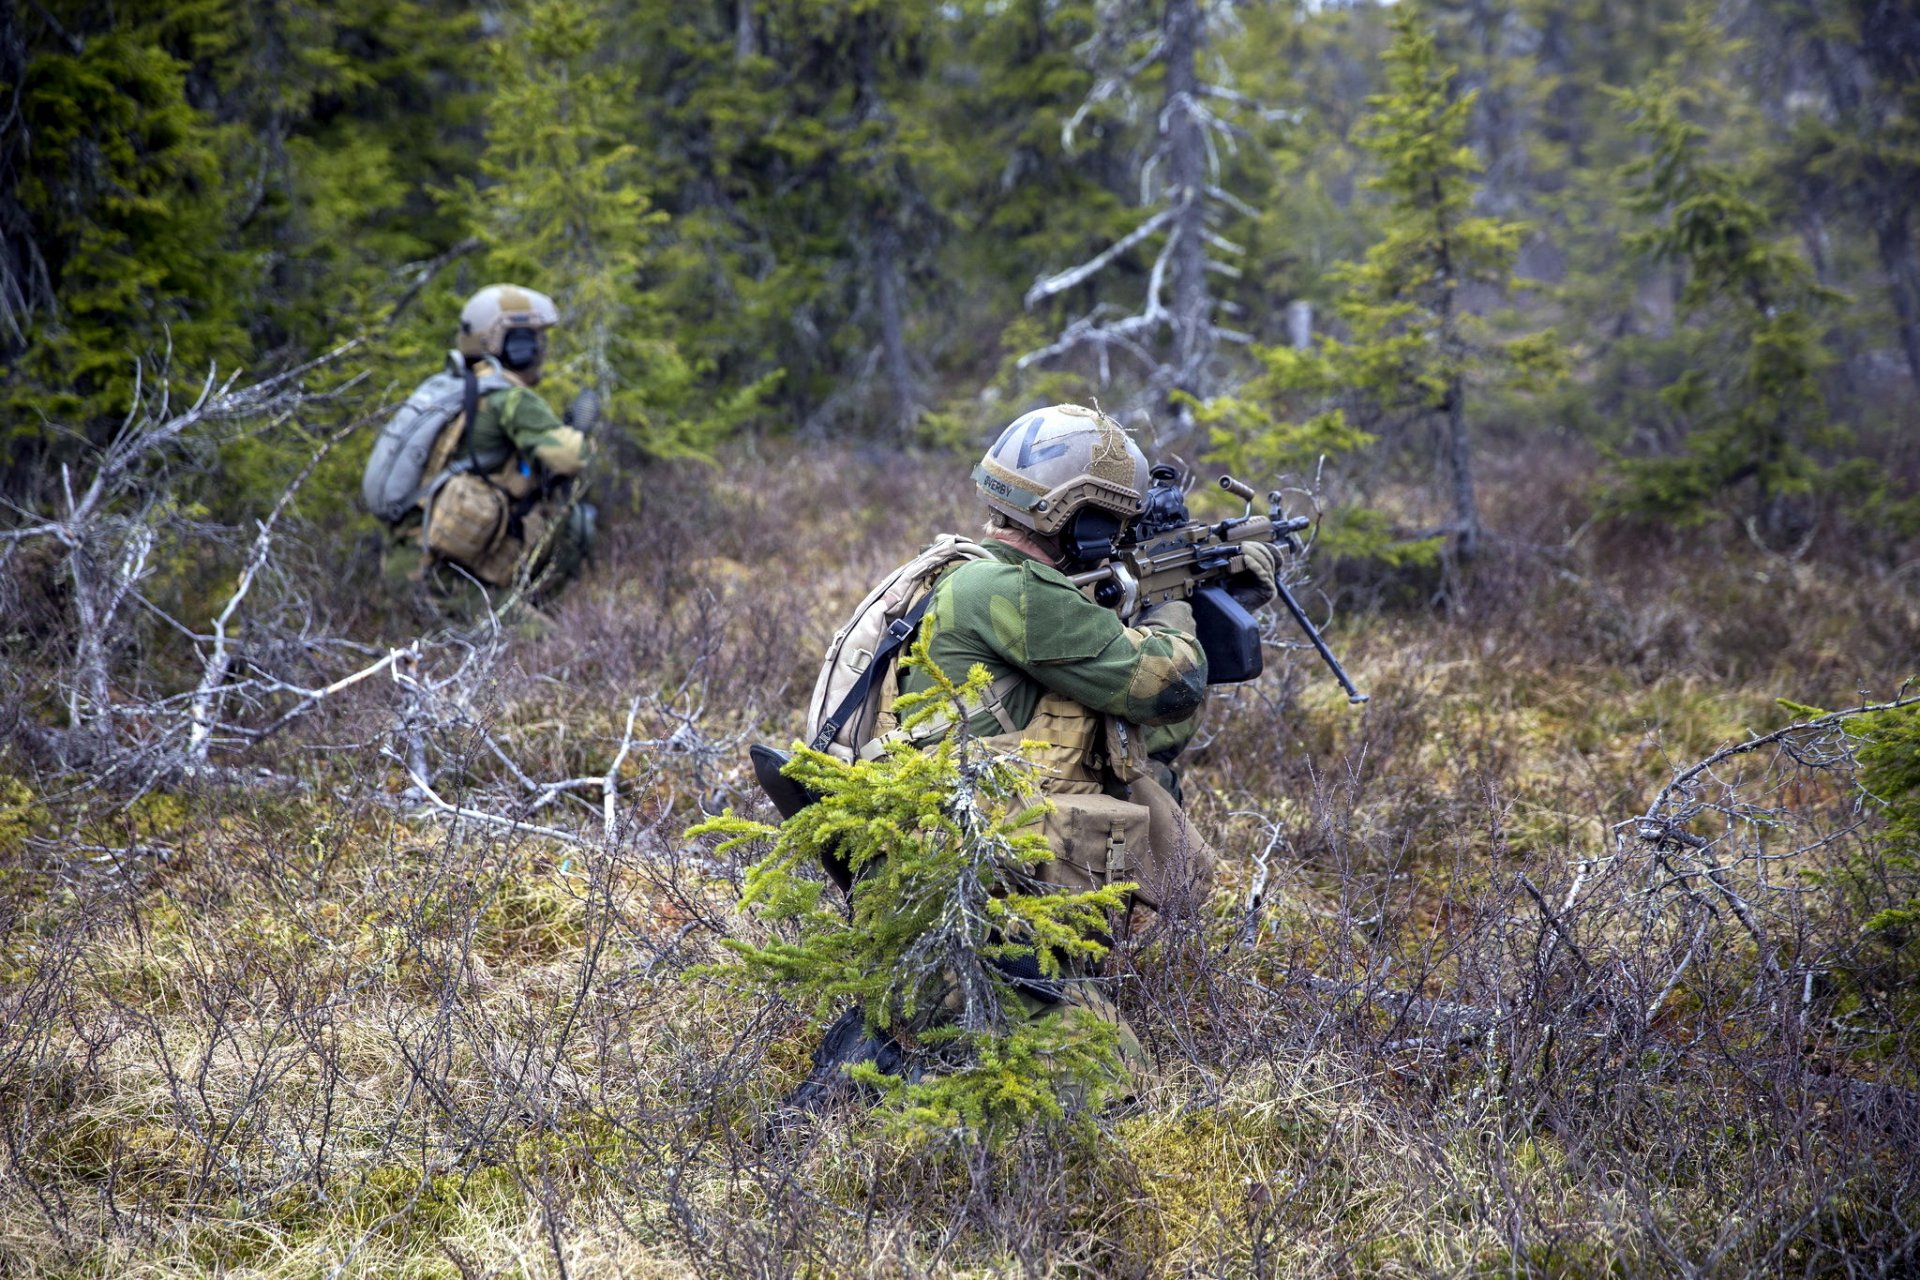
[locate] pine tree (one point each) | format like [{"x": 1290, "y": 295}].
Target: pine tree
[
  {"x": 567, "y": 210},
  {"x": 119, "y": 220},
  {"x": 1413, "y": 347},
  {"x": 1861, "y": 155},
  {"x": 349, "y": 117},
  {"x": 1753, "y": 414},
  {"x": 1413, "y": 340},
  {"x": 942, "y": 846},
  {"x": 789, "y": 146}
]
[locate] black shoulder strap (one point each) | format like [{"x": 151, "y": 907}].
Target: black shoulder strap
[
  {"x": 470, "y": 407},
  {"x": 899, "y": 631}
]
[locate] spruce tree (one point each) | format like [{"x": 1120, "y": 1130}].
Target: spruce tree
[
  {"x": 567, "y": 210},
  {"x": 1860, "y": 156},
  {"x": 1752, "y": 414},
  {"x": 119, "y": 219},
  {"x": 1413, "y": 347},
  {"x": 1414, "y": 344},
  {"x": 943, "y": 845}
]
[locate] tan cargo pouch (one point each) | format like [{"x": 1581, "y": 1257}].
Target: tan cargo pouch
[
  {"x": 1068, "y": 754},
  {"x": 1096, "y": 840},
  {"x": 467, "y": 524}
]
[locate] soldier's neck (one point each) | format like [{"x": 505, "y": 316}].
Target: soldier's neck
[
  {"x": 1020, "y": 540},
  {"x": 495, "y": 367}
]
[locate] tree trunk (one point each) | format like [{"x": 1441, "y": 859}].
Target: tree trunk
[
  {"x": 889, "y": 284},
  {"x": 1466, "y": 510},
  {"x": 1183, "y": 31},
  {"x": 1887, "y": 196},
  {"x": 746, "y": 39},
  {"x": 1894, "y": 231},
  {"x": 888, "y": 288},
  {"x": 25, "y": 286}
]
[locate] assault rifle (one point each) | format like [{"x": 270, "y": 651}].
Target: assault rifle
[{"x": 1168, "y": 555}]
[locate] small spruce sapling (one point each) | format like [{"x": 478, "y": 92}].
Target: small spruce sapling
[
  {"x": 945, "y": 849},
  {"x": 1414, "y": 348}
]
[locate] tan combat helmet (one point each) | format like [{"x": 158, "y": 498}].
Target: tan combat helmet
[
  {"x": 499, "y": 309},
  {"x": 1051, "y": 463}
]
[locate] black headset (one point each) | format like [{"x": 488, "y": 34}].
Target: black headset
[
  {"x": 1089, "y": 536},
  {"x": 520, "y": 348}
]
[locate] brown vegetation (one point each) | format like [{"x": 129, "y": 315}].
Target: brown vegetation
[{"x": 1467, "y": 1001}]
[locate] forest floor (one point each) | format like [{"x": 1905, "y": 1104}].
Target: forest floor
[{"x": 1444, "y": 1015}]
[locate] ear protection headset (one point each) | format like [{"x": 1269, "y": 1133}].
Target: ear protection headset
[
  {"x": 1089, "y": 536},
  {"x": 520, "y": 348}
]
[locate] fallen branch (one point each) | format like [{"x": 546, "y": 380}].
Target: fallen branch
[
  {"x": 1044, "y": 289},
  {"x": 206, "y": 697}
]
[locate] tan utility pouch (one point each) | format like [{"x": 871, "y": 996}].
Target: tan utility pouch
[
  {"x": 467, "y": 523},
  {"x": 1096, "y": 840}
]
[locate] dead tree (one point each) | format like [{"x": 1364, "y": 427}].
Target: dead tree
[
  {"x": 108, "y": 521},
  {"x": 1174, "y": 335}
]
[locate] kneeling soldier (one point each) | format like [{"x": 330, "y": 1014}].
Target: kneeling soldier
[{"x": 488, "y": 501}]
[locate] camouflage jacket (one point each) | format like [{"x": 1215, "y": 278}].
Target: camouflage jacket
[
  {"x": 1014, "y": 613},
  {"x": 522, "y": 425}
]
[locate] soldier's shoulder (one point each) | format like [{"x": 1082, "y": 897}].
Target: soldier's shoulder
[
  {"x": 983, "y": 577},
  {"x": 1046, "y": 576},
  {"x": 523, "y": 407},
  {"x": 1022, "y": 580}
]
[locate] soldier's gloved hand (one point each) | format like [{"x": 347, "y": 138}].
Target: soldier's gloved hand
[
  {"x": 1177, "y": 614},
  {"x": 1254, "y": 585}
]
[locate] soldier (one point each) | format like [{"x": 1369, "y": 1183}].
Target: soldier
[
  {"x": 1113, "y": 703},
  {"x": 491, "y": 507},
  {"x": 1110, "y": 702}
]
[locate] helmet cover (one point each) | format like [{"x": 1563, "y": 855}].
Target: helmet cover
[
  {"x": 488, "y": 315},
  {"x": 1052, "y": 462}
]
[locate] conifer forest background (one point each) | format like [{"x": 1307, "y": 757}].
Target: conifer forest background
[{"x": 342, "y": 939}]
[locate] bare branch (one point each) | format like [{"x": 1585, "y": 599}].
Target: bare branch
[
  {"x": 1044, "y": 289},
  {"x": 213, "y": 675}
]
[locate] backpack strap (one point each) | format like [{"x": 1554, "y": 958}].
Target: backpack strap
[
  {"x": 898, "y": 633},
  {"x": 474, "y": 387}
]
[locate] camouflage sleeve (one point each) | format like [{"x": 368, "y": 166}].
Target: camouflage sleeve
[
  {"x": 1167, "y": 741},
  {"x": 1153, "y": 674},
  {"x": 536, "y": 432}
]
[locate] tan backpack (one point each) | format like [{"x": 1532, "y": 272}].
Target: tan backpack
[{"x": 850, "y": 697}]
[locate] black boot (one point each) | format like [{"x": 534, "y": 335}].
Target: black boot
[{"x": 845, "y": 1043}]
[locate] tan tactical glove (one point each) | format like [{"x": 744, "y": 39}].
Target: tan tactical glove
[
  {"x": 1177, "y": 614},
  {"x": 1254, "y": 585}
]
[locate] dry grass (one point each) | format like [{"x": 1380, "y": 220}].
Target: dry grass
[{"x": 298, "y": 1027}]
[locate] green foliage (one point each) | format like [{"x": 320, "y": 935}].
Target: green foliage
[
  {"x": 568, "y": 211},
  {"x": 1879, "y": 884},
  {"x": 1884, "y": 976},
  {"x": 1753, "y": 413},
  {"x": 1412, "y": 347},
  {"x": 943, "y": 845},
  {"x": 1890, "y": 773},
  {"x": 1413, "y": 344},
  {"x": 124, "y": 192}
]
